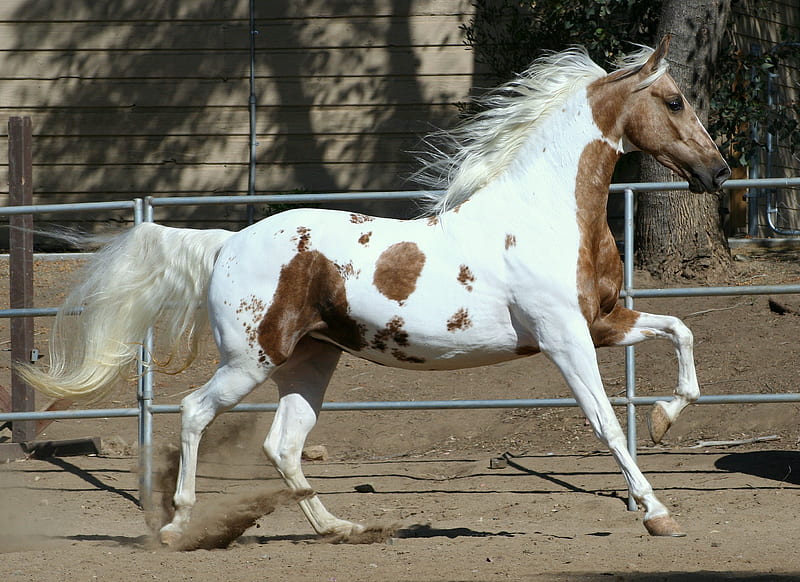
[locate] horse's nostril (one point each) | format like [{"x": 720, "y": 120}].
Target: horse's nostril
[{"x": 722, "y": 174}]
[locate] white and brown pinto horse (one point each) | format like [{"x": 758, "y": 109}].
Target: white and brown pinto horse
[{"x": 515, "y": 258}]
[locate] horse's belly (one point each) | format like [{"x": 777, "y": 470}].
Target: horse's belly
[{"x": 396, "y": 346}]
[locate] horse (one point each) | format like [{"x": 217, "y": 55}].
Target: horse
[{"x": 514, "y": 257}]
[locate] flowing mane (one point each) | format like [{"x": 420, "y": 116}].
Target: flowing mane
[{"x": 461, "y": 161}]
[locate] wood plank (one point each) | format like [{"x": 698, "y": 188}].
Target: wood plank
[
  {"x": 70, "y": 184},
  {"x": 232, "y": 92},
  {"x": 188, "y": 151},
  {"x": 73, "y": 37},
  {"x": 177, "y": 10},
  {"x": 224, "y": 65},
  {"x": 195, "y": 122}
]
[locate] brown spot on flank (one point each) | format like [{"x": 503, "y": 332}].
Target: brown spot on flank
[
  {"x": 360, "y": 218},
  {"x": 392, "y": 332},
  {"x": 364, "y": 238},
  {"x": 310, "y": 297},
  {"x": 433, "y": 220},
  {"x": 404, "y": 357},
  {"x": 397, "y": 270},
  {"x": 459, "y": 321},
  {"x": 511, "y": 241},
  {"x": 466, "y": 277}
]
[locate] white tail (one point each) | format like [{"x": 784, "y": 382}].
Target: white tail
[{"x": 150, "y": 274}]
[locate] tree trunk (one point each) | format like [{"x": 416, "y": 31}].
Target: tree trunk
[{"x": 678, "y": 233}]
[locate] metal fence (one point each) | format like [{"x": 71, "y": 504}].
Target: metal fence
[{"x": 142, "y": 211}]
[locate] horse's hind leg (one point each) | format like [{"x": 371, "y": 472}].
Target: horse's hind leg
[
  {"x": 226, "y": 388},
  {"x": 302, "y": 381},
  {"x": 623, "y": 327}
]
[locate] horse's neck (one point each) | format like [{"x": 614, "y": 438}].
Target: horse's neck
[{"x": 564, "y": 166}]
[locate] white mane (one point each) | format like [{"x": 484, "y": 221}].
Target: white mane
[{"x": 463, "y": 160}]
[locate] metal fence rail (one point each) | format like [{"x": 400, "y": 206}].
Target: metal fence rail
[{"x": 142, "y": 210}]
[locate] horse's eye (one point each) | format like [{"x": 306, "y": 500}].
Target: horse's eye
[{"x": 675, "y": 104}]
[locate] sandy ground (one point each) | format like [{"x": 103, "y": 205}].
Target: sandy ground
[{"x": 556, "y": 511}]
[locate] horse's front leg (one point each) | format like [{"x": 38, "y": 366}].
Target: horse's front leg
[
  {"x": 569, "y": 345},
  {"x": 623, "y": 327}
]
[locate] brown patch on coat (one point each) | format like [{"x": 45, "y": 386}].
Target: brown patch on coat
[
  {"x": 360, "y": 218},
  {"x": 466, "y": 277},
  {"x": 511, "y": 241},
  {"x": 404, "y": 357},
  {"x": 397, "y": 270},
  {"x": 364, "y": 238},
  {"x": 599, "y": 269},
  {"x": 303, "y": 239},
  {"x": 393, "y": 331},
  {"x": 348, "y": 271},
  {"x": 459, "y": 321},
  {"x": 611, "y": 328},
  {"x": 433, "y": 220},
  {"x": 310, "y": 297},
  {"x": 605, "y": 99}
]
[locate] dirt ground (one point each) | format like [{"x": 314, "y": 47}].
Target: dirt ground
[{"x": 556, "y": 511}]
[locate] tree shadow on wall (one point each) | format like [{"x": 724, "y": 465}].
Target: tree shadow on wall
[{"x": 130, "y": 100}]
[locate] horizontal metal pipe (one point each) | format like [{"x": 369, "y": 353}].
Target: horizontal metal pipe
[
  {"x": 410, "y": 405},
  {"x": 75, "y": 207},
  {"x": 28, "y": 312},
  {"x": 287, "y": 198},
  {"x": 729, "y": 185},
  {"x": 55, "y": 414},
  {"x": 713, "y": 291},
  {"x": 349, "y": 196}
]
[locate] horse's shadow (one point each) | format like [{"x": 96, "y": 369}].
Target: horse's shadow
[
  {"x": 781, "y": 466},
  {"x": 425, "y": 531}
]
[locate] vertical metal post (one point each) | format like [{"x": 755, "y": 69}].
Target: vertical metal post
[
  {"x": 630, "y": 362},
  {"x": 20, "y": 191},
  {"x": 251, "y": 180},
  {"x": 143, "y": 212}
]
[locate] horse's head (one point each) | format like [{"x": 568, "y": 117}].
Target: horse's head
[{"x": 645, "y": 108}]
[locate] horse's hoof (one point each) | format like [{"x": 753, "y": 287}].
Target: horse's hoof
[
  {"x": 663, "y": 526},
  {"x": 658, "y": 422},
  {"x": 169, "y": 537}
]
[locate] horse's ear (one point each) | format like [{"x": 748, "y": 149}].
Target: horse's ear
[{"x": 654, "y": 62}]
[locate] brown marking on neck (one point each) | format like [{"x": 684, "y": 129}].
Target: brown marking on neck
[
  {"x": 397, "y": 270},
  {"x": 364, "y": 238},
  {"x": 466, "y": 277},
  {"x": 606, "y": 100},
  {"x": 511, "y": 241},
  {"x": 310, "y": 297},
  {"x": 599, "y": 269}
]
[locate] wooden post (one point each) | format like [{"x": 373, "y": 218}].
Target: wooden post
[{"x": 20, "y": 190}]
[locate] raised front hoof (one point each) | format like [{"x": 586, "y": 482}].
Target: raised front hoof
[
  {"x": 663, "y": 526},
  {"x": 658, "y": 422},
  {"x": 170, "y": 536}
]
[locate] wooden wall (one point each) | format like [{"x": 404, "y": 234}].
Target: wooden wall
[{"x": 132, "y": 98}]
